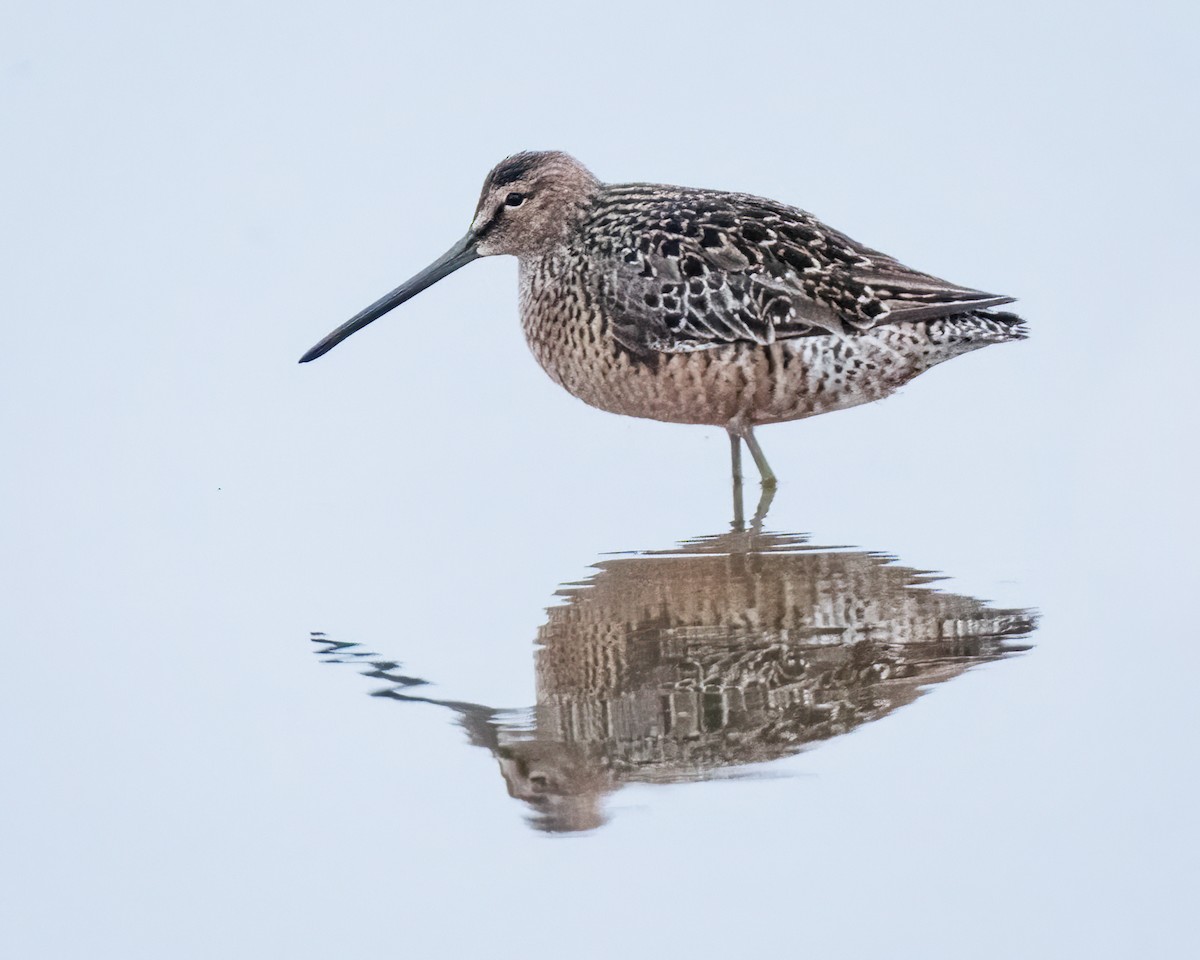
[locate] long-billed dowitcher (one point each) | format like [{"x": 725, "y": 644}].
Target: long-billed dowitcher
[{"x": 700, "y": 306}]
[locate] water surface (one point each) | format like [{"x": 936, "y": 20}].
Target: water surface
[
  {"x": 709, "y": 660},
  {"x": 606, "y": 724}
]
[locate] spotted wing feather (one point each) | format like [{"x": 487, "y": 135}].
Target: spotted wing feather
[{"x": 687, "y": 270}]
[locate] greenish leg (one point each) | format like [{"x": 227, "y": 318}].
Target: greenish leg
[
  {"x": 735, "y": 453},
  {"x": 760, "y": 461}
]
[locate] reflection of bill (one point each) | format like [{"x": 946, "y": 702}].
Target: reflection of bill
[{"x": 732, "y": 650}]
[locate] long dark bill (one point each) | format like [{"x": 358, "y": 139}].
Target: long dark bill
[{"x": 457, "y": 256}]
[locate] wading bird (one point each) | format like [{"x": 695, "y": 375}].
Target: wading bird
[{"x": 700, "y": 306}]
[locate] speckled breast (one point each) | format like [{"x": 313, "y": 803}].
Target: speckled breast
[{"x": 741, "y": 382}]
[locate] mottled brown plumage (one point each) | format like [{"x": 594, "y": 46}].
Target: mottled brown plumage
[{"x": 705, "y": 307}]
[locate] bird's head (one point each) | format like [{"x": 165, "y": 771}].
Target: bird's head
[{"x": 530, "y": 202}]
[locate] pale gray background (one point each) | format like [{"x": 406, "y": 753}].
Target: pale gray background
[{"x": 193, "y": 196}]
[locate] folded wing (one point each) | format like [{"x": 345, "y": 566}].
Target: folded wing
[{"x": 690, "y": 270}]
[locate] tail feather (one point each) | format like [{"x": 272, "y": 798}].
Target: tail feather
[
  {"x": 977, "y": 328},
  {"x": 1013, "y": 325}
]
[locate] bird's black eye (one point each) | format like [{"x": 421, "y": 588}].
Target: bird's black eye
[{"x": 515, "y": 199}]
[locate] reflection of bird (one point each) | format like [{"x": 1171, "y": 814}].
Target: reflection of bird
[
  {"x": 697, "y": 306},
  {"x": 731, "y": 650}
]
